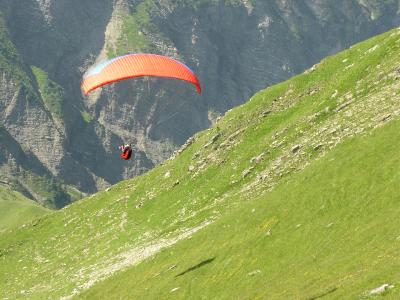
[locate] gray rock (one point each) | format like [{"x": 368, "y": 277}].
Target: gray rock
[
  {"x": 265, "y": 113},
  {"x": 255, "y": 272},
  {"x": 296, "y": 148},
  {"x": 176, "y": 183},
  {"x": 381, "y": 289},
  {"x": 344, "y": 105},
  {"x": 246, "y": 172},
  {"x": 386, "y": 117},
  {"x": 257, "y": 159},
  {"x": 317, "y": 147},
  {"x": 212, "y": 140},
  {"x": 174, "y": 289},
  {"x": 196, "y": 155}
]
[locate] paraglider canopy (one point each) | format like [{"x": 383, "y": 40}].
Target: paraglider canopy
[{"x": 137, "y": 65}]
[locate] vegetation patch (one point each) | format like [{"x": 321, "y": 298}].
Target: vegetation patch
[
  {"x": 86, "y": 116},
  {"x": 15, "y": 209},
  {"x": 132, "y": 37},
  {"x": 51, "y": 92}
]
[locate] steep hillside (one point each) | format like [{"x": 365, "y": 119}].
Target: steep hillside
[
  {"x": 292, "y": 195},
  {"x": 16, "y": 209},
  {"x": 331, "y": 231},
  {"x": 236, "y": 48}
]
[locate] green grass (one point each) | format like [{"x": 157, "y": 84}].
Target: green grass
[
  {"x": 333, "y": 228},
  {"x": 86, "y": 117},
  {"x": 51, "y": 92},
  {"x": 15, "y": 209},
  {"x": 298, "y": 186}
]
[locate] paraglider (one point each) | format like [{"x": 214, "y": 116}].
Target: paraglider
[
  {"x": 137, "y": 65},
  {"x": 126, "y": 152}
]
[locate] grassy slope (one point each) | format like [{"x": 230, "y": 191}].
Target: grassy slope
[
  {"x": 273, "y": 155},
  {"x": 15, "y": 209},
  {"x": 333, "y": 228}
]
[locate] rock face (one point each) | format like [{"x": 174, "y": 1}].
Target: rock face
[{"x": 236, "y": 48}]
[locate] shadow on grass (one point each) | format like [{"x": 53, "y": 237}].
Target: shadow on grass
[
  {"x": 199, "y": 265},
  {"x": 323, "y": 294}
]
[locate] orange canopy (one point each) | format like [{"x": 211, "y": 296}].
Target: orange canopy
[{"x": 137, "y": 65}]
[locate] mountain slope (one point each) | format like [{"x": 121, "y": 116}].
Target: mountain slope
[
  {"x": 331, "y": 230},
  {"x": 274, "y": 155},
  {"x": 26, "y": 118},
  {"x": 235, "y": 47},
  {"x": 16, "y": 210}
]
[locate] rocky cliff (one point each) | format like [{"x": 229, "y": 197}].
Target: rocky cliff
[{"x": 54, "y": 140}]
